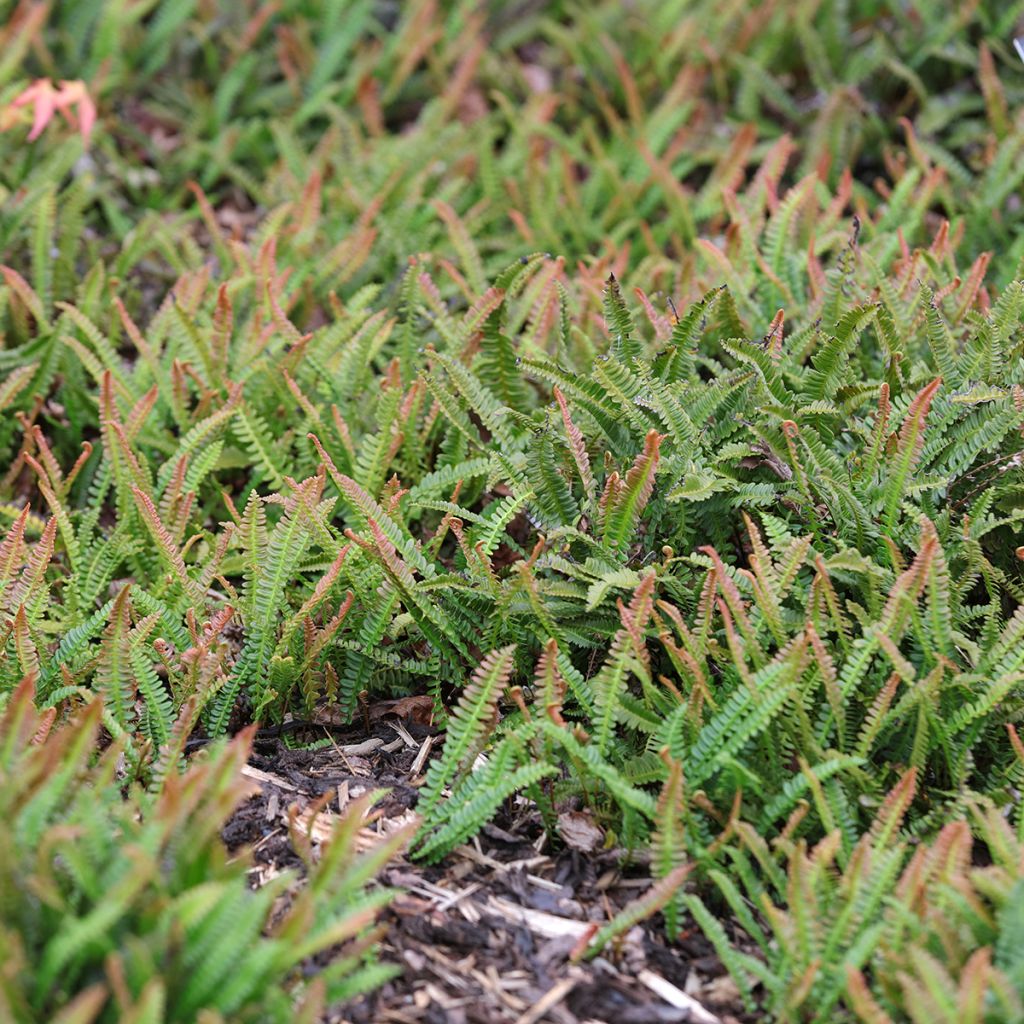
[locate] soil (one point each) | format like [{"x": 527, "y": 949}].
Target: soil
[{"x": 486, "y": 935}]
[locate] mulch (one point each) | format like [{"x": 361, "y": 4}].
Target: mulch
[{"x": 486, "y": 935}]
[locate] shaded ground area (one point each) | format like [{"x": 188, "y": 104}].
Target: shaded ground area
[{"x": 485, "y": 936}]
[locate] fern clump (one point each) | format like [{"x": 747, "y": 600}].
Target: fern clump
[
  {"x": 120, "y": 909},
  {"x": 785, "y": 566},
  {"x": 641, "y": 385}
]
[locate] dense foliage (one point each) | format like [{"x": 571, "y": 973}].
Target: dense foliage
[
  {"x": 131, "y": 910},
  {"x": 708, "y": 519}
]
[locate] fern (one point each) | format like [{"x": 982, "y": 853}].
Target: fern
[
  {"x": 470, "y": 723},
  {"x": 479, "y": 796},
  {"x": 154, "y": 850},
  {"x": 738, "y": 465}
]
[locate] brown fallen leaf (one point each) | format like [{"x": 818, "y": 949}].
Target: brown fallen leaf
[
  {"x": 420, "y": 708},
  {"x": 764, "y": 456},
  {"x": 579, "y": 832}
]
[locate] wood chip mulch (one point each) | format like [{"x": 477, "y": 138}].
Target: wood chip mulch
[{"x": 485, "y": 936}]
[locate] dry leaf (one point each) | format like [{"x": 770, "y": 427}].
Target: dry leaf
[
  {"x": 579, "y": 832},
  {"x": 419, "y": 708}
]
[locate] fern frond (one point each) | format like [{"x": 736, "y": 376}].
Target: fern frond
[{"x": 470, "y": 723}]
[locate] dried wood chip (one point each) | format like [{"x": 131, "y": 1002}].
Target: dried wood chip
[
  {"x": 676, "y": 997},
  {"x": 273, "y": 806},
  {"x": 477, "y": 855},
  {"x": 545, "y": 883},
  {"x": 457, "y": 897},
  {"x": 404, "y": 733},
  {"x": 550, "y": 925},
  {"x": 366, "y": 747},
  {"x": 417, "y": 961},
  {"x": 548, "y": 1001},
  {"x": 320, "y": 827},
  {"x": 421, "y": 757},
  {"x": 257, "y": 775}
]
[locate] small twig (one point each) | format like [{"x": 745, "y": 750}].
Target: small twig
[
  {"x": 293, "y": 725},
  {"x": 676, "y": 997},
  {"x": 421, "y": 757},
  {"x": 548, "y": 1001}
]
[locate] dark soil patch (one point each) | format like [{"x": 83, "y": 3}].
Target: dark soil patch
[{"x": 485, "y": 936}]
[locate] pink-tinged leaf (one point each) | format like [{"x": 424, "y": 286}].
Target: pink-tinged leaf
[
  {"x": 41, "y": 95},
  {"x": 12, "y": 548},
  {"x": 86, "y": 116},
  {"x": 46, "y": 99},
  {"x": 578, "y": 447},
  {"x": 889, "y": 818},
  {"x": 912, "y": 431},
  {"x": 631, "y": 498},
  {"x": 165, "y": 542}
]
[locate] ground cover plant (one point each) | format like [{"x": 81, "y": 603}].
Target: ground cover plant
[{"x": 641, "y": 390}]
